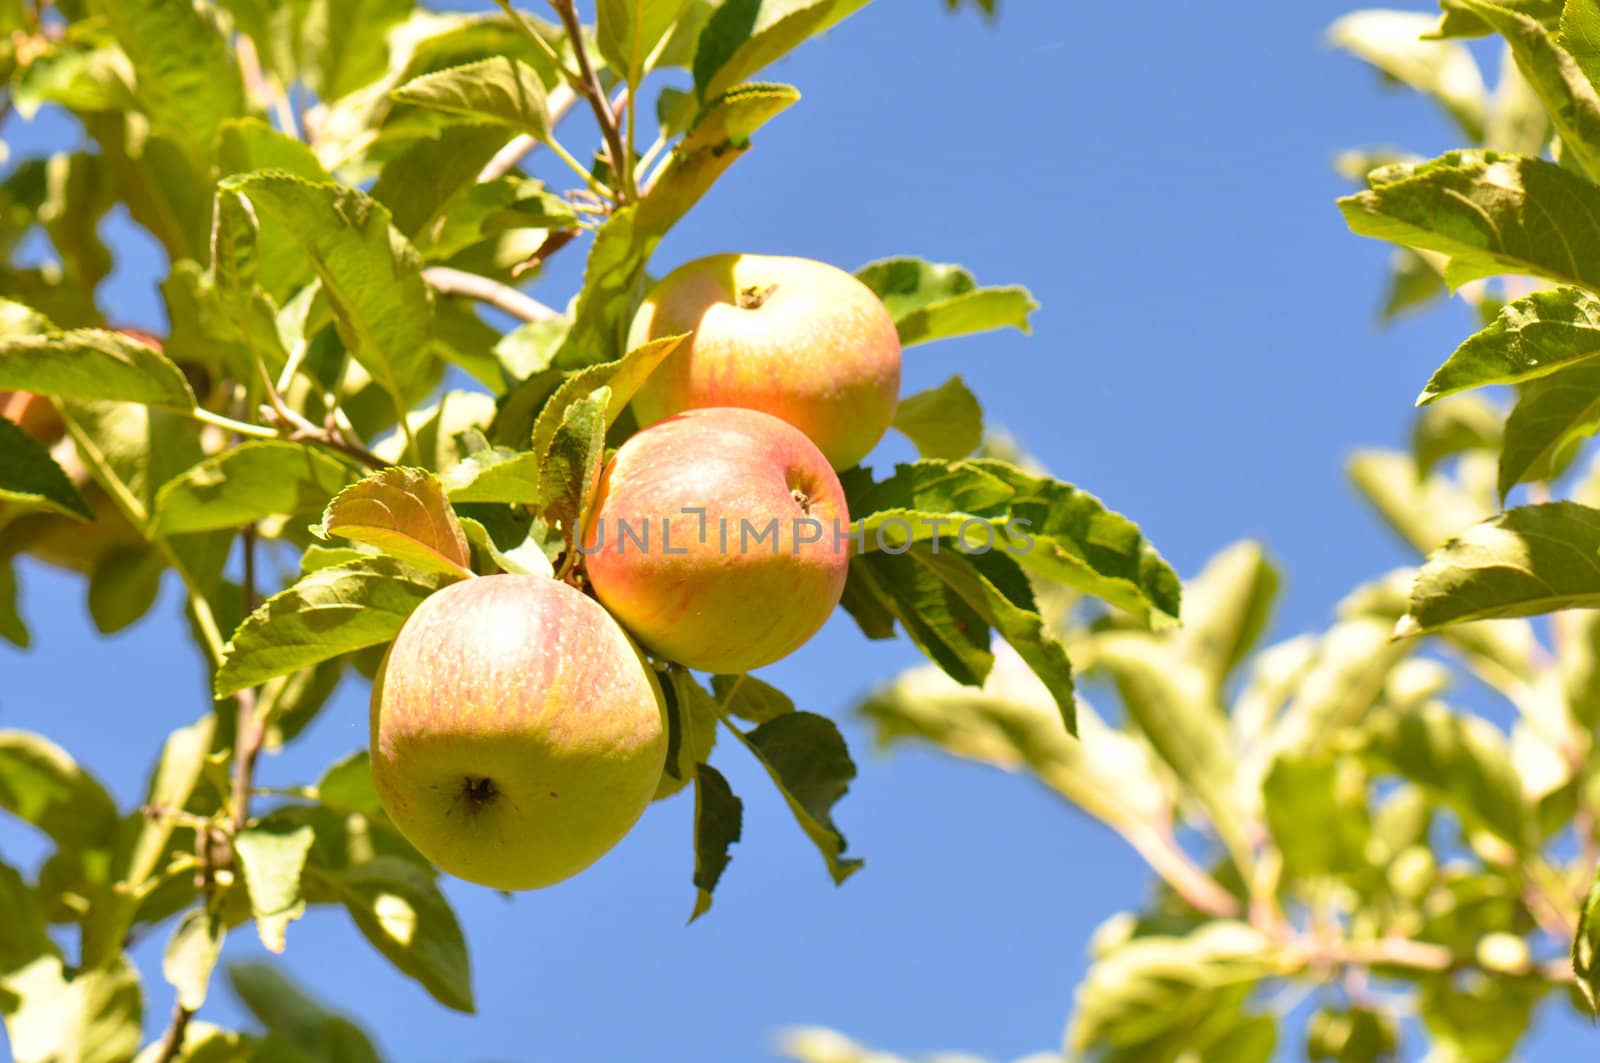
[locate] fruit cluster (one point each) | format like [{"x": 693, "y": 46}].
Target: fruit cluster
[{"x": 518, "y": 732}]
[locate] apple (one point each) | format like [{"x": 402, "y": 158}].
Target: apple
[
  {"x": 517, "y": 732},
  {"x": 720, "y": 538},
  {"x": 799, "y": 339},
  {"x": 34, "y": 414}
]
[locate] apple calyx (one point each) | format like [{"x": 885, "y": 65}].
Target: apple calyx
[{"x": 753, "y": 296}]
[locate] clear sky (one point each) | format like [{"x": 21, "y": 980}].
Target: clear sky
[{"x": 1205, "y": 359}]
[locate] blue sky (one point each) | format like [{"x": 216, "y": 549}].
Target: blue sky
[{"x": 1205, "y": 359}]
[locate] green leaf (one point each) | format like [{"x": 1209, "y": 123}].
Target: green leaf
[
  {"x": 292, "y": 1016},
  {"x": 935, "y": 301},
  {"x": 938, "y": 620},
  {"x": 1533, "y": 336},
  {"x": 371, "y": 275},
  {"x": 1491, "y": 214},
  {"x": 172, "y": 784},
  {"x": 807, "y": 759},
  {"x": 942, "y": 422},
  {"x": 205, "y": 1043},
  {"x": 718, "y": 823},
  {"x": 90, "y": 364},
  {"x": 124, "y": 586},
  {"x": 1226, "y": 609},
  {"x": 1586, "y": 947},
  {"x": 247, "y": 483},
  {"x": 1459, "y": 22},
  {"x": 404, "y": 513},
  {"x": 347, "y": 786},
  {"x": 502, "y": 89},
  {"x": 571, "y": 471},
  {"x": 923, "y": 500},
  {"x": 12, "y": 627},
  {"x": 1393, "y": 41},
  {"x": 1580, "y": 35},
  {"x": 743, "y": 36},
  {"x": 273, "y": 859},
  {"x": 29, "y": 474},
  {"x": 191, "y": 956},
  {"x": 997, "y": 590},
  {"x": 1478, "y": 1018},
  {"x": 246, "y": 144},
  {"x": 527, "y": 558},
  {"x": 498, "y": 474},
  {"x": 1335, "y": 689},
  {"x": 1569, "y": 96},
  {"x": 1354, "y": 1036},
  {"x": 187, "y": 80},
  {"x": 408, "y": 920},
  {"x": 43, "y": 786},
  {"x": 24, "y": 934},
  {"x": 1423, "y": 512},
  {"x": 327, "y": 613},
  {"x": 1173, "y": 703},
  {"x": 1159, "y": 992},
  {"x": 627, "y": 31},
  {"x": 1552, "y": 416},
  {"x": 1067, "y": 534},
  {"x": 622, "y": 377},
  {"x": 1524, "y": 562},
  {"x": 1413, "y": 284},
  {"x": 749, "y": 698},
  {"x": 423, "y": 184}
]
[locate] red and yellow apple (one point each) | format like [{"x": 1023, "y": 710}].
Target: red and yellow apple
[
  {"x": 720, "y": 538},
  {"x": 799, "y": 339},
  {"x": 517, "y": 732}
]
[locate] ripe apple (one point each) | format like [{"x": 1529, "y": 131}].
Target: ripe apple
[
  {"x": 799, "y": 339},
  {"x": 720, "y": 538},
  {"x": 517, "y": 733}
]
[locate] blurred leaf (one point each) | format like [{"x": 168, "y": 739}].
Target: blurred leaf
[
  {"x": 90, "y": 364},
  {"x": 1354, "y": 1036},
  {"x": 718, "y": 822},
  {"x": 246, "y": 483},
  {"x": 1570, "y": 98},
  {"x": 187, "y": 79},
  {"x": 1317, "y": 811},
  {"x": 191, "y": 956},
  {"x": 1173, "y": 703},
  {"x": 1227, "y": 607},
  {"x": 942, "y": 422},
  {"x": 1413, "y": 284},
  {"x": 273, "y": 859},
  {"x": 205, "y": 1043},
  {"x": 288, "y": 1013},
  {"x": 1462, "y": 760},
  {"x": 502, "y": 89},
  {"x": 29, "y": 474},
  {"x": 43, "y": 786},
  {"x": 408, "y": 920},
  {"x": 172, "y": 784},
  {"x": 371, "y": 275},
  {"x": 1339, "y": 686},
  {"x": 93, "y": 1017},
  {"x": 998, "y": 591},
  {"x": 1393, "y": 41},
  {"x": 742, "y": 36},
  {"x": 1586, "y": 947},
  {"x": 807, "y": 759},
  {"x": 24, "y": 935},
  {"x": 1476, "y": 1018},
  {"x": 1443, "y": 430},
  {"x": 935, "y": 301},
  {"x": 1426, "y": 513},
  {"x": 1161, "y": 990},
  {"x": 749, "y": 698},
  {"x": 12, "y": 627},
  {"x": 1526, "y": 561},
  {"x": 1533, "y": 336},
  {"x": 1552, "y": 416},
  {"x": 1492, "y": 214},
  {"x": 327, "y": 613},
  {"x": 404, "y": 513},
  {"x": 124, "y": 587}
]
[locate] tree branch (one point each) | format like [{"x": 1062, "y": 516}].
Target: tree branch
[
  {"x": 503, "y": 297},
  {"x": 172, "y": 1040},
  {"x": 590, "y": 86}
]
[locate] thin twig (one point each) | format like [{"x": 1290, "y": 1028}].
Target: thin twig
[
  {"x": 459, "y": 282},
  {"x": 595, "y": 92},
  {"x": 172, "y": 1040}
]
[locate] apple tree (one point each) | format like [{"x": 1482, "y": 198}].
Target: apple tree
[
  {"x": 348, "y": 222},
  {"x": 1326, "y": 818}
]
